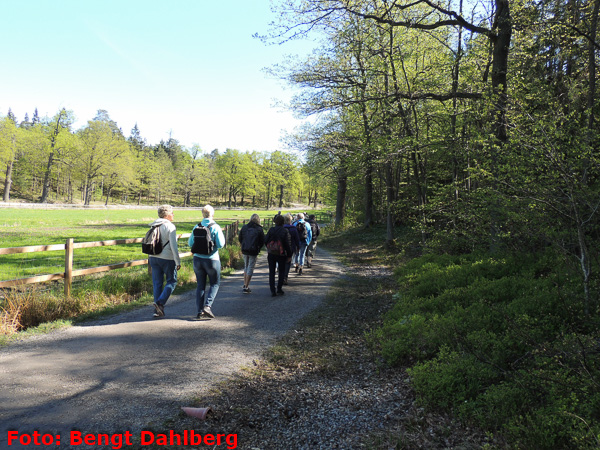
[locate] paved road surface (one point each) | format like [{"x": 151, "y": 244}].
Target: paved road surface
[{"x": 130, "y": 371}]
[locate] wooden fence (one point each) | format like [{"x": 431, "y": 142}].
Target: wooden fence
[{"x": 229, "y": 231}]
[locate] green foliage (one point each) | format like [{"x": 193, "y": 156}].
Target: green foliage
[
  {"x": 502, "y": 341},
  {"x": 51, "y": 162}
]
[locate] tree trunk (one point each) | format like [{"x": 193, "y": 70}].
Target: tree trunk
[
  {"x": 453, "y": 117},
  {"x": 70, "y": 189},
  {"x": 389, "y": 241},
  {"x": 368, "y": 193},
  {"x": 368, "y": 144},
  {"x": 55, "y": 132},
  {"x": 108, "y": 189},
  {"x": 340, "y": 205},
  {"x": 46, "y": 186},
  {"x": 503, "y": 24},
  {"x": 501, "y": 48},
  {"x": 280, "y": 196},
  {"x": 8, "y": 180},
  {"x": 592, "y": 65}
]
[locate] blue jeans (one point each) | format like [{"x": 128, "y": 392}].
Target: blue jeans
[
  {"x": 204, "y": 267},
  {"x": 160, "y": 268},
  {"x": 299, "y": 258}
]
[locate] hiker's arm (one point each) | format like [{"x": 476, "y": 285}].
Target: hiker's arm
[
  {"x": 220, "y": 238},
  {"x": 174, "y": 248}
]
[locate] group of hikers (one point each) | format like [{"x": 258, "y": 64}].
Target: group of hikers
[{"x": 291, "y": 241}]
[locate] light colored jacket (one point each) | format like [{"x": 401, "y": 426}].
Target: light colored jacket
[
  {"x": 308, "y": 230},
  {"x": 217, "y": 237},
  {"x": 168, "y": 233}
]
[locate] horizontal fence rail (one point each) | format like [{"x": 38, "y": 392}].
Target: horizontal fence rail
[
  {"x": 69, "y": 273},
  {"x": 229, "y": 231}
]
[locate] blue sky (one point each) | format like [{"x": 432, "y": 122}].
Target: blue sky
[{"x": 190, "y": 67}]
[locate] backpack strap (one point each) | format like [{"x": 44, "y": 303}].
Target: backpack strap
[{"x": 168, "y": 240}]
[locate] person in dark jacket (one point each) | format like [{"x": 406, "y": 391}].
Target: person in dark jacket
[
  {"x": 252, "y": 239},
  {"x": 288, "y": 219},
  {"x": 279, "y": 247}
]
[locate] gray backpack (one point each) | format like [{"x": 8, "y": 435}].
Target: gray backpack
[{"x": 152, "y": 244}]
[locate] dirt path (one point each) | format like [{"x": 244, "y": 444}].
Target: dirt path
[{"x": 130, "y": 371}]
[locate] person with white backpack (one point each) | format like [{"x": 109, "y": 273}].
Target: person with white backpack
[{"x": 165, "y": 263}]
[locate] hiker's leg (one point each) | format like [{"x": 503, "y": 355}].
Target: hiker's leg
[
  {"x": 272, "y": 267},
  {"x": 169, "y": 268},
  {"x": 200, "y": 272},
  {"x": 213, "y": 270},
  {"x": 250, "y": 270},
  {"x": 157, "y": 277}
]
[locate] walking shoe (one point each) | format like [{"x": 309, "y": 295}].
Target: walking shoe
[
  {"x": 273, "y": 294},
  {"x": 160, "y": 310},
  {"x": 207, "y": 312},
  {"x": 300, "y": 271},
  {"x": 280, "y": 292},
  {"x": 246, "y": 290},
  {"x": 199, "y": 316},
  {"x": 285, "y": 281},
  {"x": 296, "y": 268}
]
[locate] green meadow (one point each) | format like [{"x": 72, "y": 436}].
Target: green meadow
[{"x": 25, "y": 227}]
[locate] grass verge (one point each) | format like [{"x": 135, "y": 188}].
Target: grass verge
[{"x": 35, "y": 310}]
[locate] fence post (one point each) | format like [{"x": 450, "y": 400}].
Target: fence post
[{"x": 68, "y": 266}]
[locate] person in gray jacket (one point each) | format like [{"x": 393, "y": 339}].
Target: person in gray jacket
[{"x": 167, "y": 263}]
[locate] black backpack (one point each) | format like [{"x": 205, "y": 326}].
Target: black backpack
[
  {"x": 203, "y": 243},
  {"x": 250, "y": 241},
  {"x": 301, "y": 227},
  {"x": 152, "y": 244},
  {"x": 314, "y": 226}
]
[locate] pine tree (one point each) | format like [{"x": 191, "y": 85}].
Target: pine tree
[
  {"x": 11, "y": 116},
  {"x": 26, "y": 123},
  {"x": 135, "y": 139}
]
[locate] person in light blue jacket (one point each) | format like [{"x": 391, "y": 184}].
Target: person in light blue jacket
[
  {"x": 305, "y": 233},
  {"x": 208, "y": 265}
]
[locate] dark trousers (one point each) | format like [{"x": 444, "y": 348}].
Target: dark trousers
[{"x": 274, "y": 263}]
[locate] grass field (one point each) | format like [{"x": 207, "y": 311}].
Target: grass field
[
  {"x": 25, "y": 227},
  {"x": 42, "y": 307}
]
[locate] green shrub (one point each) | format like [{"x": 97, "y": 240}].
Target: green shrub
[
  {"x": 501, "y": 341},
  {"x": 224, "y": 256},
  {"x": 459, "y": 378}
]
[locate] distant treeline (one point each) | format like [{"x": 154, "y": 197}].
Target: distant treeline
[{"x": 45, "y": 160}]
